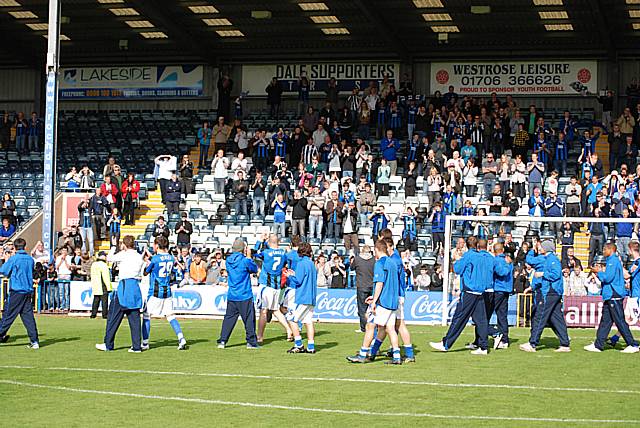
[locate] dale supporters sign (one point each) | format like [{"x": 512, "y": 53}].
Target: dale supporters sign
[
  {"x": 255, "y": 78},
  {"x": 515, "y": 77}
]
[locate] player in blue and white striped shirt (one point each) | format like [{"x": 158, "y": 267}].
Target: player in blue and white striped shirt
[
  {"x": 159, "y": 300},
  {"x": 271, "y": 293}
]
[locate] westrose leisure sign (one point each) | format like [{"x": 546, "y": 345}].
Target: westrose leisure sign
[{"x": 516, "y": 77}]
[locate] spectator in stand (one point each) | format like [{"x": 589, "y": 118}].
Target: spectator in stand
[
  {"x": 219, "y": 166},
  {"x": 99, "y": 207},
  {"x": 72, "y": 178},
  {"x": 616, "y": 141},
  {"x": 383, "y": 178},
  {"x": 535, "y": 172},
  {"x": 315, "y": 204},
  {"x": 554, "y": 207},
  {"x": 628, "y": 153},
  {"x": 114, "y": 224},
  {"x": 536, "y": 206},
  {"x": 279, "y": 207},
  {"x": 63, "y": 266},
  {"x": 22, "y": 130},
  {"x": 470, "y": 178},
  {"x": 350, "y": 229},
  {"x": 130, "y": 192},
  {"x": 437, "y": 220},
  {"x": 39, "y": 254},
  {"x": 489, "y": 173},
  {"x": 110, "y": 190},
  {"x": 241, "y": 193},
  {"x": 623, "y": 235},
  {"x": 299, "y": 214},
  {"x": 221, "y": 133},
  {"x": 204, "y": 139},
  {"x": 588, "y": 142},
  {"x": 258, "y": 186},
  {"x": 8, "y": 208},
  {"x": 109, "y": 166},
  {"x": 186, "y": 175},
  {"x": 389, "y": 147},
  {"x": 240, "y": 137},
  {"x": 7, "y": 230},
  {"x": 86, "y": 225},
  {"x": 593, "y": 189},
  {"x": 521, "y": 141},
  {"x": 596, "y": 233},
  {"x": 197, "y": 270},
  {"x": 117, "y": 178},
  {"x": 410, "y": 179},
  {"x": 561, "y": 154},
  {"x": 86, "y": 178},
  {"x": 304, "y": 88},
  {"x": 183, "y": 230},
  {"x": 5, "y": 131},
  {"x": 173, "y": 195},
  {"x": 334, "y": 213},
  {"x": 160, "y": 228},
  {"x": 573, "y": 191},
  {"x": 551, "y": 183},
  {"x": 626, "y": 122},
  {"x": 165, "y": 166},
  {"x": 607, "y": 107},
  {"x": 274, "y": 97}
]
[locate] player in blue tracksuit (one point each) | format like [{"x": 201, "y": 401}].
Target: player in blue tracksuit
[
  {"x": 304, "y": 281},
  {"x": 159, "y": 300},
  {"x": 292, "y": 258},
  {"x": 549, "y": 306},
  {"x": 613, "y": 294},
  {"x": 502, "y": 289},
  {"x": 239, "y": 295},
  {"x": 632, "y": 308},
  {"x": 19, "y": 270},
  {"x": 476, "y": 268},
  {"x": 270, "y": 282}
]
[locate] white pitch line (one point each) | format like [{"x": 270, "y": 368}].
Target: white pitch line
[
  {"x": 331, "y": 379},
  {"x": 313, "y": 409}
]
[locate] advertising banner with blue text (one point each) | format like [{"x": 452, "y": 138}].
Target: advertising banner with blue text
[
  {"x": 118, "y": 82},
  {"x": 332, "y": 305}
]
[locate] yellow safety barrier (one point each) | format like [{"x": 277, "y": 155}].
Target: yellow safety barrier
[{"x": 523, "y": 309}]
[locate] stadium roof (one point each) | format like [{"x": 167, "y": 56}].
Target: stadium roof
[{"x": 216, "y": 31}]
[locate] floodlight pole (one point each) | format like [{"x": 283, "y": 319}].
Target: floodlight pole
[
  {"x": 445, "y": 270},
  {"x": 51, "y": 126}
]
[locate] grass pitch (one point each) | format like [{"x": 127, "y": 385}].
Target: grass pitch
[{"x": 67, "y": 382}]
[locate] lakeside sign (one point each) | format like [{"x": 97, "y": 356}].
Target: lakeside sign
[
  {"x": 163, "y": 81},
  {"x": 515, "y": 77}
]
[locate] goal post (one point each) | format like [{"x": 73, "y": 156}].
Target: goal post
[{"x": 448, "y": 238}]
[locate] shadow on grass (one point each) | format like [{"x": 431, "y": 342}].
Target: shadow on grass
[
  {"x": 173, "y": 343},
  {"x": 18, "y": 340}
]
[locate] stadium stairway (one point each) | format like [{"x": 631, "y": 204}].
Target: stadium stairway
[
  {"x": 146, "y": 214},
  {"x": 602, "y": 149}
]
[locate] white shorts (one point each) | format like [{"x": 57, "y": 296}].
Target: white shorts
[
  {"x": 269, "y": 298},
  {"x": 300, "y": 313},
  {"x": 288, "y": 299},
  {"x": 384, "y": 317},
  {"x": 371, "y": 318},
  {"x": 157, "y": 307},
  {"x": 400, "y": 310}
]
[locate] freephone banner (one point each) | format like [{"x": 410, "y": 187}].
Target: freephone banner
[
  {"x": 335, "y": 305},
  {"x": 165, "y": 81},
  {"x": 516, "y": 77},
  {"x": 255, "y": 78}
]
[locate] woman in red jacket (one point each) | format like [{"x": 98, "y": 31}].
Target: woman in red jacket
[{"x": 130, "y": 189}]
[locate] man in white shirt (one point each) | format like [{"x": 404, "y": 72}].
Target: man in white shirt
[
  {"x": 166, "y": 165},
  {"x": 128, "y": 298},
  {"x": 219, "y": 167}
]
